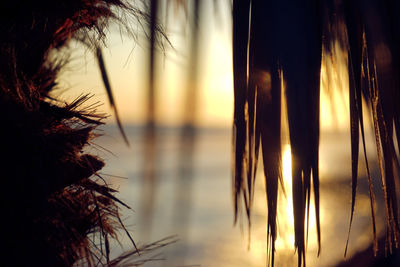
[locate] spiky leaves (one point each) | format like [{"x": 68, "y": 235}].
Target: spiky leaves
[
  {"x": 264, "y": 116},
  {"x": 301, "y": 69},
  {"x": 241, "y": 11},
  {"x": 55, "y": 205},
  {"x": 355, "y": 40},
  {"x": 274, "y": 27},
  {"x": 107, "y": 85},
  {"x": 373, "y": 42},
  {"x": 269, "y": 125}
]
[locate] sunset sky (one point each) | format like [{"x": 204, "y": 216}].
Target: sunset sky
[{"x": 126, "y": 62}]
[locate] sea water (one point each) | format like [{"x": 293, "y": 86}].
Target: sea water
[{"x": 184, "y": 188}]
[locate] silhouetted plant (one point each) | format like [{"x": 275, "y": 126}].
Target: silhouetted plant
[
  {"x": 56, "y": 214},
  {"x": 283, "y": 40}
]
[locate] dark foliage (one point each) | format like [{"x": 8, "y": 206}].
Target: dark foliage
[
  {"x": 50, "y": 204},
  {"x": 275, "y": 41},
  {"x": 263, "y": 53}
]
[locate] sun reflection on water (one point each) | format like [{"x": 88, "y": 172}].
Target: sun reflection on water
[{"x": 285, "y": 239}]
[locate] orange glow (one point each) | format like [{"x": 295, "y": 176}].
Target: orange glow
[
  {"x": 334, "y": 105},
  {"x": 126, "y": 64},
  {"x": 285, "y": 238}
]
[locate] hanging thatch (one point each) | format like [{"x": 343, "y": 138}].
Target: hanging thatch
[{"x": 271, "y": 38}]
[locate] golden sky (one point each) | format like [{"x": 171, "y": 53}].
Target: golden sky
[{"x": 126, "y": 62}]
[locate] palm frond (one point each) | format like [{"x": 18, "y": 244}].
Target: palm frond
[
  {"x": 241, "y": 11},
  {"x": 369, "y": 32},
  {"x": 107, "y": 85},
  {"x": 355, "y": 40},
  {"x": 58, "y": 206},
  {"x": 374, "y": 68}
]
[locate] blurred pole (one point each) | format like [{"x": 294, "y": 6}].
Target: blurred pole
[
  {"x": 190, "y": 108},
  {"x": 188, "y": 136},
  {"x": 153, "y": 39},
  {"x": 149, "y": 177}
]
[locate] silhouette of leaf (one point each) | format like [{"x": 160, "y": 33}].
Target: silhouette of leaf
[
  {"x": 355, "y": 42},
  {"x": 241, "y": 11},
  {"x": 369, "y": 31},
  {"x": 270, "y": 128},
  {"x": 107, "y": 85}
]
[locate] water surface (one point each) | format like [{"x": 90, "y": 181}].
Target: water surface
[{"x": 186, "y": 190}]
